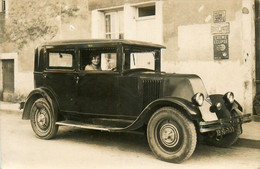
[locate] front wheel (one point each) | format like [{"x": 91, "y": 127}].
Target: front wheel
[
  {"x": 171, "y": 136},
  {"x": 43, "y": 119}
]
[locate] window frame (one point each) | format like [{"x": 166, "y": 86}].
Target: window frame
[
  {"x": 57, "y": 50},
  {"x": 108, "y": 33},
  {"x": 142, "y": 5},
  {"x": 3, "y": 6},
  {"x": 157, "y": 57},
  {"x": 118, "y": 62},
  {"x": 114, "y": 24},
  {"x": 151, "y": 16}
]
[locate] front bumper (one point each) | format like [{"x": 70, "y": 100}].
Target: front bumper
[{"x": 224, "y": 126}]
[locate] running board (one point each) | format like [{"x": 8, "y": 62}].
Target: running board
[{"x": 88, "y": 126}]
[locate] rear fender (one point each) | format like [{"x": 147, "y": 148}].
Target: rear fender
[
  {"x": 36, "y": 94},
  {"x": 187, "y": 108}
]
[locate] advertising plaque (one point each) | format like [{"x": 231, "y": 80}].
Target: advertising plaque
[
  {"x": 219, "y": 16},
  {"x": 220, "y": 45},
  {"x": 220, "y": 28}
]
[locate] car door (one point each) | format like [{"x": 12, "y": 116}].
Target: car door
[
  {"x": 97, "y": 92},
  {"x": 98, "y": 89},
  {"x": 60, "y": 76}
]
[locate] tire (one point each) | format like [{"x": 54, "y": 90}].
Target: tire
[
  {"x": 43, "y": 119},
  {"x": 165, "y": 145},
  {"x": 224, "y": 142}
]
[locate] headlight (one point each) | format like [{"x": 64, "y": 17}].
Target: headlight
[
  {"x": 198, "y": 99},
  {"x": 229, "y": 97}
]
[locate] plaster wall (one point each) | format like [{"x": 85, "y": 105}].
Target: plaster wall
[
  {"x": 77, "y": 26},
  {"x": 68, "y": 18},
  {"x": 135, "y": 28},
  {"x": 189, "y": 43}
]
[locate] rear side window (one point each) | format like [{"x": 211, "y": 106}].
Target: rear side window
[{"x": 60, "y": 59}]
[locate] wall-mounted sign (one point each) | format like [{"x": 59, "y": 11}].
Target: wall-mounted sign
[
  {"x": 220, "y": 45},
  {"x": 219, "y": 16},
  {"x": 220, "y": 28}
]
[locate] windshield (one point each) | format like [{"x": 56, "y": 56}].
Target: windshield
[
  {"x": 142, "y": 60},
  {"x": 136, "y": 58}
]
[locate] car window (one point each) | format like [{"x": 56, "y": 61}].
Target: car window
[
  {"x": 142, "y": 60},
  {"x": 60, "y": 59},
  {"x": 108, "y": 61},
  {"x": 99, "y": 59},
  {"x": 135, "y": 58}
]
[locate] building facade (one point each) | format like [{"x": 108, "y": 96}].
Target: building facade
[{"x": 213, "y": 39}]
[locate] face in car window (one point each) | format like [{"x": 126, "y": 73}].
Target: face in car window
[
  {"x": 104, "y": 59},
  {"x": 95, "y": 62}
]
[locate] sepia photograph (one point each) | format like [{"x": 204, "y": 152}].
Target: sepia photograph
[{"x": 129, "y": 84}]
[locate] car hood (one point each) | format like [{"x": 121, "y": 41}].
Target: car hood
[
  {"x": 160, "y": 84},
  {"x": 174, "y": 85}
]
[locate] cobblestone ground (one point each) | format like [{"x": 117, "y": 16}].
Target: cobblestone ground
[{"x": 76, "y": 149}]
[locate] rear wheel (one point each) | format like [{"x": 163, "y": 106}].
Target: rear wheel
[
  {"x": 43, "y": 119},
  {"x": 171, "y": 136}
]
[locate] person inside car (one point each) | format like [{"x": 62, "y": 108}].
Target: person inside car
[{"x": 95, "y": 62}]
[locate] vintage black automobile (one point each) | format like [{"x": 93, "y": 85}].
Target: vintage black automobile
[{"x": 128, "y": 93}]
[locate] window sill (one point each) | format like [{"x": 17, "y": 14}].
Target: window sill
[{"x": 145, "y": 18}]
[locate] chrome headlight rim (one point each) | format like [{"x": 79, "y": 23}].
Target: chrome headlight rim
[
  {"x": 229, "y": 97},
  {"x": 198, "y": 99}
]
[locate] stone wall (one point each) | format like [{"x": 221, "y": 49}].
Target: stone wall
[{"x": 189, "y": 41}]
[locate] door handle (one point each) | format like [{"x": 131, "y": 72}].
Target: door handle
[{"x": 77, "y": 79}]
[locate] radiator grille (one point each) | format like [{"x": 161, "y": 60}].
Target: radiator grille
[{"x": 151, "y": 91}]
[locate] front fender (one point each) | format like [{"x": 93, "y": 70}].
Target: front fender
[
  {"x": 34, "y": 95},
  {"x": 191, "y": 110},
  {"x": 226, "y": 109},
  {"x": 187, "y": 108}
]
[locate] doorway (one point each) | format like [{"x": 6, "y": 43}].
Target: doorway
[{"x": 8, "y": 79}]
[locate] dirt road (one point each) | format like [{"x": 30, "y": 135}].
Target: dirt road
[{"x": 76, "y": 149}]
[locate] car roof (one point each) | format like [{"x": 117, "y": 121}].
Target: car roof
[{"x": 102, "y": 41}]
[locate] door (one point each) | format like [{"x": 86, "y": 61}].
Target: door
[
  {"x": 8, "y": 78},
  {"x": 61, "y": 77},
  {"x": 257, "y": 33},
  {"x": 98, "y": 86},
  {"x": 97, "y": 93}
]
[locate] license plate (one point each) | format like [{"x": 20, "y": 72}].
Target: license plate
[{"x": 225, "y": 130}]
